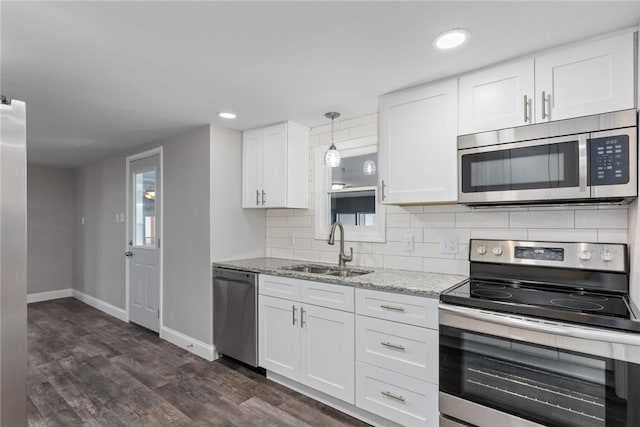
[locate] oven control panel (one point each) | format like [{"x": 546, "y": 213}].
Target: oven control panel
[{"x": 589, "y": 256}]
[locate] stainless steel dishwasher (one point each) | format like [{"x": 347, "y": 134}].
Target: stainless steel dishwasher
[{"x": 235, "y": 314}]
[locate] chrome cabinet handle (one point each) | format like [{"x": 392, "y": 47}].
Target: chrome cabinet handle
[
  {"x": 393, "y": 396},
  {"x": 382, "y": 185},
  {"x": 264, "y": 197},
  {"x": 544, "y": 101},
  {"x": 128, "y": 253},
  {"x": 392, "y": 307},
  {"x": 302, "y": 322},
  {"x": 396, "y": 346},
  {"x": 293, "y": 314},
  {"x": 527, "y": 102},
  {"x": 257, "y": 198}
]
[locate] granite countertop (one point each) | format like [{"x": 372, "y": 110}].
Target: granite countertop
[{"x": 381, "y": 279}]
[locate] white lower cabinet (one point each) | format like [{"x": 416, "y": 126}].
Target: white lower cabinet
[
  {"x": 375, "y": 352},
  {"x": 397, "y": 357},
  {"x": 279, "y": 342},
  {"x": 310, "y": 344},
  {"x": 327, "y": 351},
  {"x": 405, "y": 349},
  {"x": 399, "y": 398}
]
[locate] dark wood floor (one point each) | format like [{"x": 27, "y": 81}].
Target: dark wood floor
[{"x": 87, "y": 368}]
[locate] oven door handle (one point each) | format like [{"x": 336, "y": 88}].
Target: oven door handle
[{"x": 537, "y": 325}]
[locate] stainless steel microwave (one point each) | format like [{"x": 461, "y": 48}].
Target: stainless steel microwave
[{"x": 581, "y": 160}]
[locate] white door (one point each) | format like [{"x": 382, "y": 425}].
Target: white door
[
  {"x": 144, "y": 245},
  {"x": 274, "y": 165},
  {"x": 279, "y": 336},
  {"x": 593, "y": 78},
  {"x": 252, "y": 169},
  {"x": 328, "y": 351},
  {"x": 418, "y": 134},
  {"x": 496, "y": 98}
]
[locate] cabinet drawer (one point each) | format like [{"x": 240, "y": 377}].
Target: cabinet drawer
[
  {"x": 327, "y": 295},
  {"x": 399, "y": 398},
  {"x": 414, "y": 310},
  {"x": 405, "y": 349},
  {"x": 279, "y": 287}
]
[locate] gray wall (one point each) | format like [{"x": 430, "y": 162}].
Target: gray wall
[
  {"x": 99, "y": 243},
  {"x": 187, "y": 292},
  {"x": 202, "y": 221},
  {"x": 50, "y": 202}
]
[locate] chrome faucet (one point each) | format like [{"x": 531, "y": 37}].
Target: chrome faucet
[{"x": 342, "y": 257}]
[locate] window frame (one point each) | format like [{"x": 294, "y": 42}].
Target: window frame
[{"x": 322, "y": 188}]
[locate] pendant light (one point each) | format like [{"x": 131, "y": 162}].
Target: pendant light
[{"x": 332, "y": 158}]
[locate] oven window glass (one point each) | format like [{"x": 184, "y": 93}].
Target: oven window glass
[
  {"x": 526, "y": 168},
  {"x": 546, "y": 385}
]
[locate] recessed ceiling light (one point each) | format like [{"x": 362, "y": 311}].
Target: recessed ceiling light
[
  {"x": 451, "y": 38},
  {"x": 227, "y": 115}
]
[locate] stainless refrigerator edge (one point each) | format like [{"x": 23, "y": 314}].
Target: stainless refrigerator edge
[{"x": 13, "y": 263}]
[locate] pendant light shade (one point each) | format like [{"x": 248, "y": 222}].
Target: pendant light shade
[{"x": 332, "y": 157}]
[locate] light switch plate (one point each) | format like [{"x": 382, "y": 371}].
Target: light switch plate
[{"x": 409, "y": 243}]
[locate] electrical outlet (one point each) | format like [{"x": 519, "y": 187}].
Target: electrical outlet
[
  {"x": 409, "y": 243},
  {"x": 82, "y": 220},
  {"x": 122, "y": 217},
  {"x": 117, "y": 218},
  {"x": 292, "y": 239},
  {"x": 449, "y": 245}
]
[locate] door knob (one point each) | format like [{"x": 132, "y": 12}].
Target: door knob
[{"x": 128, "y": 253}]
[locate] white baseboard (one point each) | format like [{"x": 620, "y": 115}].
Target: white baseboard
[
  {"x": 191, "y": 344},
  {"x": 94, "y": 302},
  {"x": 46, "y": 296}
]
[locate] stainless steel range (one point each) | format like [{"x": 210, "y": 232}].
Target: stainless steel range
[{"x": 543, "y": 333}]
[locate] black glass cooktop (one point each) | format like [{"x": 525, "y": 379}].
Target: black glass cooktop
[{"x": 571, "y": 305}]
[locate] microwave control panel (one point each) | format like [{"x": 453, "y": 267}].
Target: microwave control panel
[{"x": 609, "y": 160}]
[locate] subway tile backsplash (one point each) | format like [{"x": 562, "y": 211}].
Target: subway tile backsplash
[{"x": 430, "y": 224}]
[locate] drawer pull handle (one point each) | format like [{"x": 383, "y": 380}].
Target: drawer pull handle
[
  {"x": 393, "y": 396},
  {"x": 392, "y": 307},
  {"x": 302, "y": 322},
  {"x": 391, "y": 345},
  {"x": 293, "y": 314}
]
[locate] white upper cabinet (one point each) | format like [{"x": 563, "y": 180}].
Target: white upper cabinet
[
  {"x": 591, "y": 78},
  {"x": 418, "y": 130},
  {"x": 275, "y": 166},
  {"x": 496, "y": 98}
]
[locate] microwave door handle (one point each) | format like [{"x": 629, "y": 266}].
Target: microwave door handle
[{"x": 582, "y": 163}]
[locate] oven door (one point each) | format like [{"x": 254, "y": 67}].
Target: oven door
[
  {"x": 504, "y": 370},
  {"x": 541, "y": 170}
]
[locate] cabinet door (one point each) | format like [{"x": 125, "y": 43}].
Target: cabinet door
[
  {"x": 593, "y": 78},
  {"x": 328, "y": 352},
  {"x": 279, "y": 336},
  {"x": 274, "y": 165},
  {"x": 418, "y": 129},
  {"x": 252, "y": 168},
  {"x": 496, "y": 98}
]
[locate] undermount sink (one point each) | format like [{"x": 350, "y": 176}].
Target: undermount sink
[
  {"x": 327, "y": 271},
  {"x": 349, "y": 273},
  {"x": 309, "y": 269}
]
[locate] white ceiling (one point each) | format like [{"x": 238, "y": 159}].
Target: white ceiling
[{"x": 102, "y": 77}]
